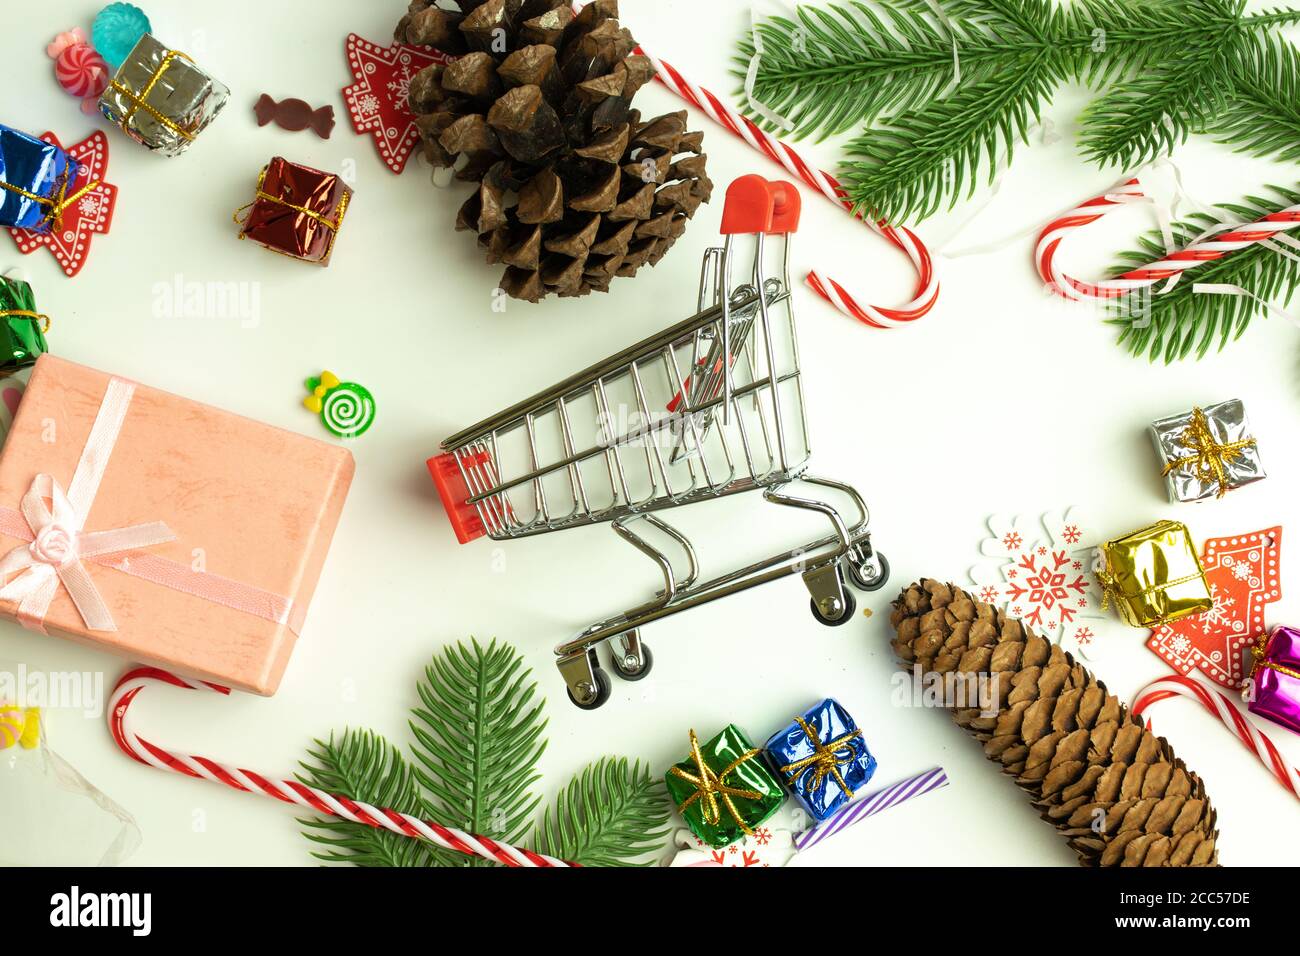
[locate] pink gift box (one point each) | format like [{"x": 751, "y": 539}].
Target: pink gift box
[
  {"x": 250, "y": 509},
  {"x": 1275, "y": 679}
]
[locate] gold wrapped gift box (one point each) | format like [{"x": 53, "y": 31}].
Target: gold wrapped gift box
[{"x": 1153, "y": 576}]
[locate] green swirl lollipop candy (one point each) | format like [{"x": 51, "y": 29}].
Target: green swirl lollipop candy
[{"x": 345, "y": 408}]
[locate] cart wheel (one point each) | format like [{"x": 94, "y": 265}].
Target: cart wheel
[
  {"x": 868, "y": 584},
  {"x": 847, "y": 612},
  {"x": 638, "y": 673},
  {"x": 599, "y": 695}
]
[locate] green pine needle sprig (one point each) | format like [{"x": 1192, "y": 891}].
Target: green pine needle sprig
[
  {"x": 612, "y": 811},
  {"x": 941, "y": 101},
  {"x": 1176, "y": 324},
  {"x": 477, "y": 738},
  {"x": 365, "y": 767}
]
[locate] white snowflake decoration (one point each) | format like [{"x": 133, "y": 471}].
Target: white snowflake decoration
[
  {"x": 401, "y": 85},
  {"x": 1221, "y": 615},
  {"x": 368, "y": 104},
  {"x": 1041, "y": 572},
  {"x": 89, "y": 206}
]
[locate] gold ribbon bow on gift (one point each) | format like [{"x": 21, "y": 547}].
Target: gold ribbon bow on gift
[
  {"x": 333, "y": 225},
  {"x": 711, "y": 786},
  {"x": 60, "y": 200},
  {"x": 1111, "y": 593},
  {"x": 139, "y": 100},
  {"x": 1258, "y": 660},
  {"x": 824, "y": 760},
  {"x": 1209, "y": 455}
]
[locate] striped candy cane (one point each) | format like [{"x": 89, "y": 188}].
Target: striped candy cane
[
  {"x": 291, "y": 791},
  {"x": 857, "y": 810},
  {"x": 1214, "y": 245},
  {"x": 1230, "y": 715},
  {"x": 927, "y": 289}
]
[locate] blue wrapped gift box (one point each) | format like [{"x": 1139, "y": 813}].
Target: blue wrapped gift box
[
  {"x": 822, "y": 758},
  {"x": 33, "y": 176}
]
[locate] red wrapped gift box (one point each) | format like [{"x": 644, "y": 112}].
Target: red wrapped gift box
[{"x": 297, "y": 212}]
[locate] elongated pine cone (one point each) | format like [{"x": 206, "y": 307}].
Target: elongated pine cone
[
  {"x": 1114, "y": 790},
  {"x": 574, "y": 187}
]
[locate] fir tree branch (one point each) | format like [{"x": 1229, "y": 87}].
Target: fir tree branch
[
  {"x": 903, "y": 172},
  {"x": 1148, "y": 115},
  {"x": 845, "y": 65},
  {"x": 365, "y": 767},
  {"x": 946, "y": 86},
  {"x": 1175, "y": 324},
  {"x": 478, "y": 737},
  {"x": 1262, "y": 113},
  {"x": 612, "y": 814}
]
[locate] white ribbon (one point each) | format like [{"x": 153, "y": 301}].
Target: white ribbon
[{"x": 58, "y": 543}]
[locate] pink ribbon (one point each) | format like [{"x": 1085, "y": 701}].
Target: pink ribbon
[{"x": 57, "y": 547}]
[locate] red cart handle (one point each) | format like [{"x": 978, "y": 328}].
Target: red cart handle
[
  {"x": 786, "y": 206},
  {"x": 748, "y": 207}
]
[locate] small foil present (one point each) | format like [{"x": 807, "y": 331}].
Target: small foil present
[
  {"x": 1273, "y": 688},
  {"x": 1153, "y": 576},
  {"x": 34, "y": 180},
  {"x": 161, "y": 99},
  {"x": 297, "y": 211},
  {"x": 22, "y": 328},
  {"x": 723, "y": 790},
  {"x": 1207, "y": 452},
  {"x": 823, "y": 758}
]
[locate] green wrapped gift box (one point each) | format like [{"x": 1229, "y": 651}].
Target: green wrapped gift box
[
  {"x": 21, "y": 326},
  {"x": 724, "y": 789}
]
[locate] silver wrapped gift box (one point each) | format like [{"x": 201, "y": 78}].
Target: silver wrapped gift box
[
  {"x": 161, "y": 99},
  {"x": 1207, "y": 452}
]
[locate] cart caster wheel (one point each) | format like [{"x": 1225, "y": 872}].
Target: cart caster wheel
[
  {"x": 868, "y": 584},
  {"x": 846, "y": 613},
  {"x": 616, "y": 661},
  {"x": 598, "y": 695}
]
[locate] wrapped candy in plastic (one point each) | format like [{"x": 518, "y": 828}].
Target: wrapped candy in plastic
[{"x": 50, "y": 815}]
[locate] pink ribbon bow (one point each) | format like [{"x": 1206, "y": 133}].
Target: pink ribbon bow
[{"x": 58, "y": 544}]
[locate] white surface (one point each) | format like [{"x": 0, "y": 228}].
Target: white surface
[{"x": 997, "y": 402}]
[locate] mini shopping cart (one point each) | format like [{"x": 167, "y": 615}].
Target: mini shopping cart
[{"x": 664, "y": 423}]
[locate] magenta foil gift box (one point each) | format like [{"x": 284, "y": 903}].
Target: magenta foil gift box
[{"x": 1274, "y": 687}]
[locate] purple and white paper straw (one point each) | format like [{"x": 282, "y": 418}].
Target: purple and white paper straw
[{"x": 870, "y": 805}]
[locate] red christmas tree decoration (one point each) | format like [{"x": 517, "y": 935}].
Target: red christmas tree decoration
[
  {"x": 377, "y": 100},
  {"x": 1243, "y": 572},
  {"x": 92, "y": 213}
]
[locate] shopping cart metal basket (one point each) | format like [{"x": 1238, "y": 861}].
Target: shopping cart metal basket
[{"x": 664, "y": 423}]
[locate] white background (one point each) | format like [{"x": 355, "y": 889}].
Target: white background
[{"x": 999, "y": 401}]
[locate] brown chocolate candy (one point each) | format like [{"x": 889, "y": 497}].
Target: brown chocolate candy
[{"x": 294, "y": 115}]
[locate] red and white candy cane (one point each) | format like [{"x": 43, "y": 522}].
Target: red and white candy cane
[
  {"x": 291, "y": 791},
  {"x": 1212, "y": 246},
  {"x": 927, "y": 289},
  {"x": 1230, "y": 715}
]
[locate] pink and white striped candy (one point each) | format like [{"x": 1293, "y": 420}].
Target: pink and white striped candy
[{"x": 81, "y": 71}]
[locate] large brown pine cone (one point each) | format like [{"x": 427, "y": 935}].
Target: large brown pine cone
[
  {"x": 1114, "y": 790},
  {"x": 574, "y": 187}
]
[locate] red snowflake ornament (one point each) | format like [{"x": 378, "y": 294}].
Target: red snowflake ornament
[
  {"x": 1243, "y": 574},
  {"x": 1051, "y": 591},
  {"x": 377, "y": 100},
  {"x": 92, "y": 213}
]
